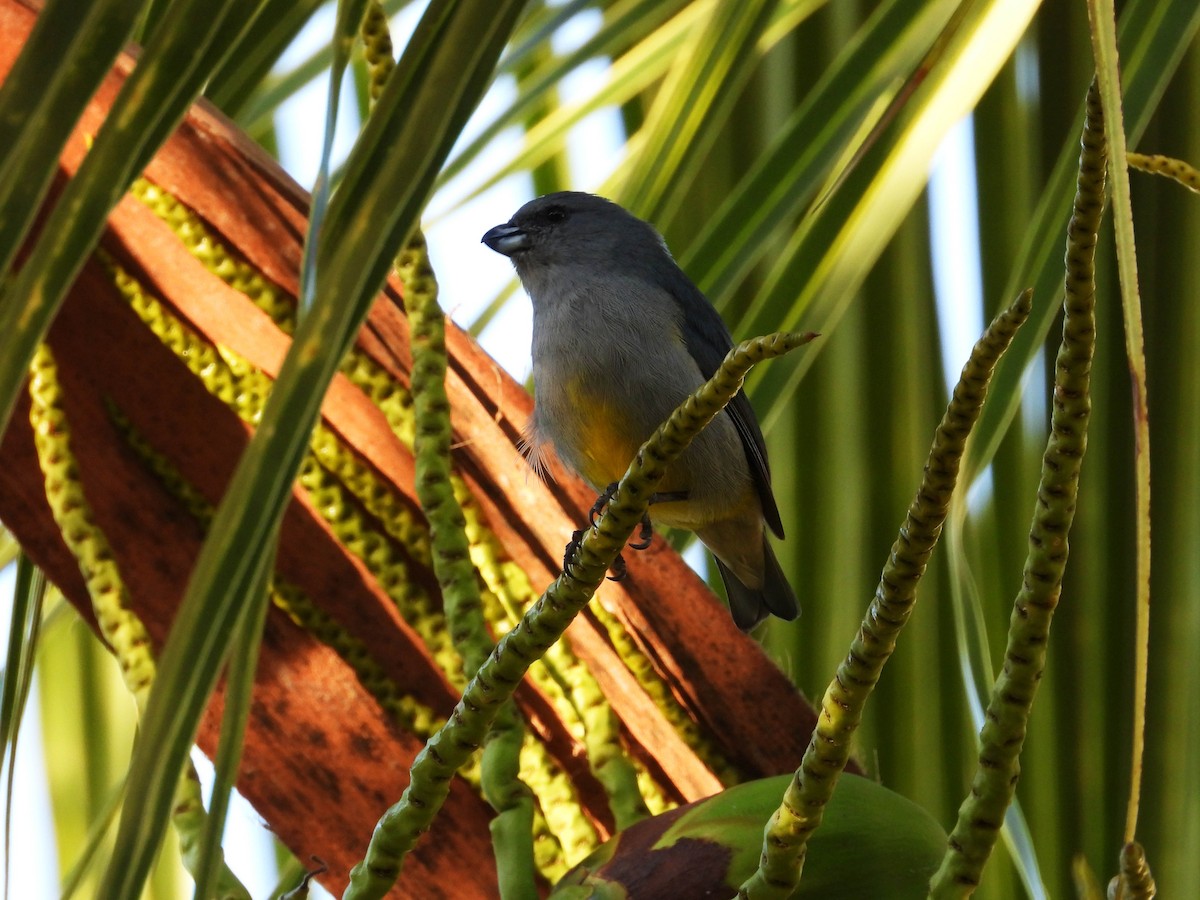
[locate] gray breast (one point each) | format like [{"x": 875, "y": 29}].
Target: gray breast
[{"x": 624, "y": 339}]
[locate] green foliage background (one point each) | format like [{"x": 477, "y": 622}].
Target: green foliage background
[{"x": 743, "y": 117}]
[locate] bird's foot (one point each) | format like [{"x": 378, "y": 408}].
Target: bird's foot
[
  {"x": 569, "y": 552},
  {"x": 601, "y": 502},
  {"x": 645, "y": 534},
  {"x": 619, "y": 569},
  {"x": 645, "y": 531}
]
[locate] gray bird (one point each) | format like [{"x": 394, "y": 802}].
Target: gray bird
[{"x": 621, "y": 336}]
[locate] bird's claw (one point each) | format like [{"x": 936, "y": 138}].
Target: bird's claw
[
  {"x": 601, "y": 502},
  {"x": 572, "y": 546},
  {"x": 645, "y": 534},
  {"x": 619, "y": 569}
]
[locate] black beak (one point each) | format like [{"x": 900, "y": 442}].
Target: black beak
[{"x": 507, "y": 239}]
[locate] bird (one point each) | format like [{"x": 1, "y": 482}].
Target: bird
[{"x": 621, "y": 336}]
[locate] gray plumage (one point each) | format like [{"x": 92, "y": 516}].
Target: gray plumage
[{"x": 620, "y": 337}]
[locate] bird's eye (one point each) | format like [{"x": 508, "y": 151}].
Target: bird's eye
[{"x": 556, "y": 214}]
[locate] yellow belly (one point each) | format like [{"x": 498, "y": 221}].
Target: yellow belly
[
  {"x": 605, "y": 439},
  {"x": 607, "y": 446}
]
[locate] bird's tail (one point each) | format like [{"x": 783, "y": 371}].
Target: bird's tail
[{"x": 749, "y": 606}]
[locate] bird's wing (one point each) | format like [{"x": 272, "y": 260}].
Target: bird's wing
[{"x": 708, "y": 340}]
